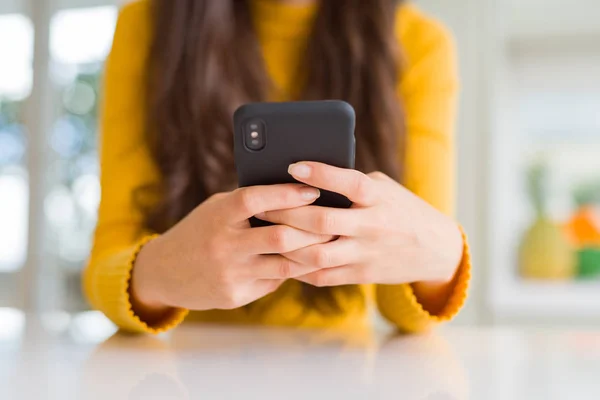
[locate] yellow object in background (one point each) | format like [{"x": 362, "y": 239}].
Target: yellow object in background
[{"x": 546, "y": 253}]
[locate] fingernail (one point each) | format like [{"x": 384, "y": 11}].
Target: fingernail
[
  {"x": 309, "y": 193},
  {"x": 299, "y": 170}
]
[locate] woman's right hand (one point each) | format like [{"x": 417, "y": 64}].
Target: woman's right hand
[{"x": 212, "y": 259}]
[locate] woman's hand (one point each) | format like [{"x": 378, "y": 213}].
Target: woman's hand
[
  {"x": 389, "y": 236},
  {"x": 213, "y": 260}
]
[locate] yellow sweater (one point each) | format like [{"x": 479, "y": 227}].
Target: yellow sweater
[{"x": 427, "y": 89}]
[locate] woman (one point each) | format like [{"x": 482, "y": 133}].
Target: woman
[{"x": 173, "y": 233}]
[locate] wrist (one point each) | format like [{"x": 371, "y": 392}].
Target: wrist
[
  {"x": 456, "y": 247},
  {"x": 433, "y": 294},
  {"x": 449, "y": 245},
  {"x": 146, "y": 287}
]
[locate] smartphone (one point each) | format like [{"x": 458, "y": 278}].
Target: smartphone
[{"x": 268, "y": 137}]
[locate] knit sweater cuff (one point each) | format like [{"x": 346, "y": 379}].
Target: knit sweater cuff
[
  {"x": 399, "y": 303},
  {"x": 116, "y": 303}
]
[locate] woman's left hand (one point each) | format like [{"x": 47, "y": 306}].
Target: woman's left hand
[{"x": 389, "y": 235}]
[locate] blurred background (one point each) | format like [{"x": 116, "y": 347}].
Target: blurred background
[{"x": 528, "y": 165}]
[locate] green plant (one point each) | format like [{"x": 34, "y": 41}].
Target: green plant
[
  {"x": 587, "y": 193},
  {"x": 537, "y": 177}
]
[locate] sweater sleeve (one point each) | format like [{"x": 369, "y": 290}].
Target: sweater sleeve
[
  {"x": 126, "y": 168},
  {"x": 428, "y": 90}
]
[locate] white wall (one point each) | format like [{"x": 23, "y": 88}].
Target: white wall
[{"x": 466, "y": 18}]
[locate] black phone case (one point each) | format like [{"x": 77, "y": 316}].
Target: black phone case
[{"x": 320, "y": 131}]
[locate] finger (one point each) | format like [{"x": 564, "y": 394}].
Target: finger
[
  {"x": 277, "y": 267},
  {"x": 343, "y": 251},
  {"x": 278, "y": 239},
  {"x": 355, "y": 185},
  {"x": 249, "y": 201},
  {"x": 252, "y": 292},
  {"x": 218, "y": 196},
  {"x": 344, "y": 275},
  {"x": 322, "y": 220},
  {"x": 380, "y": 176}
]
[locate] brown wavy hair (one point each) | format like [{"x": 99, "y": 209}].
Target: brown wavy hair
[{"x": 205, "y": 61}]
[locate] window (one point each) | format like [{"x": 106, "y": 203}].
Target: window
[
  {"x": 80, "y": 40},
  {"x": 79, "y": 35},
  {"x": 15, "y": 87}
]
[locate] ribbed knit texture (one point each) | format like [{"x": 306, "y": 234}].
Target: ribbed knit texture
[
  {"x": 399, "y": 304},
  {"x": 114, "y": 288}
]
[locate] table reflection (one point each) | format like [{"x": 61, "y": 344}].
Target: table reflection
[{"x": 208, "y": 361}]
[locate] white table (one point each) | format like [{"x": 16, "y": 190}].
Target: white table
[{"x": 61, "y": 357}]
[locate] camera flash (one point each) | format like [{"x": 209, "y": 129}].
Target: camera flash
[{"x": 254, "y": 135}]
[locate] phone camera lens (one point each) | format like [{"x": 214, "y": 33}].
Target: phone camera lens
[{"x": 254, "y": 136}]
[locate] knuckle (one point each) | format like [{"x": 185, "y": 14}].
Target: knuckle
[
  {"x": 285, "y": 269},
  {"x": 325, "y": 221},
  {"x": 217, "y": 197},
  {"x": 378, "y": 175},
  {"x": 246, "y": 200},
  {"x": 279, "y": 238},
  {"x": 361, "y": 186},
  {"x": 322, "y": 258}
]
